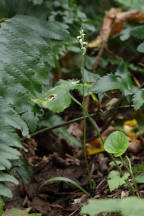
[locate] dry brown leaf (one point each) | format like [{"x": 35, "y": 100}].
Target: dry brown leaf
[{"x": 113, "y": 23}]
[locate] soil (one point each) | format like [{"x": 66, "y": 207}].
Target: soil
[{"x": 50, "y": 157}]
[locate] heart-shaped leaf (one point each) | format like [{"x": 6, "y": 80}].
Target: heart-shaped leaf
[{"x": 116, "y": 143}]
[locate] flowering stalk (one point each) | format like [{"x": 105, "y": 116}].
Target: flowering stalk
[{"x": 83, "y": 44}]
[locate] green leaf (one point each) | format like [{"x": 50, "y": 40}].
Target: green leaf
[
  {"x": 132, "y": 4},
  {"x": 120, "y": 80},
  {"x": 52, "y": 30},
  {"x": 23, "y": 169},
  {"x": 58, "y": 98},
  {"x": 132, "y": 206},
  {"x": 114, "y": 180},
  {"x": 139, "y": 178},
  {"x": 6, "y": 177},
  {"x": 10, "y": 8},
  {"x": 4, "y": 191},
  {"x": 65, "y": 180},
  {"x": 140, "y": 48},
  {"x": 137, "y": 32},
  {"x": 95, "y": 206},
  {"x": 138, "y": 98},
  {"x": 116, "y": 143}
]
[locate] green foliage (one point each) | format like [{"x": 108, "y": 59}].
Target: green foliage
[
  {"x": 9, "y": 8},
  {"x": 59, "y": 178},
  {"x": 114, "y": 179},
  {"x": 120, "y": 80},
  {"x": 130, "y": 206},
  {"x": 31, "y": 47},
  {"x": 36, "y": 2},
  {"x": 31, "y": 44},
  {"x": 132, "y": 4},
  {"x": 141, "y": 48},
  {"x": 19, "y": 212},
  {"x": 27, "y": 56},
  {"x": 135, "y": 31},
  {"x": 139, "y": 178},
  {"x": 95, "y": 207},
  {"x": 58, "y": 98},
  {"x": 116, "y": 143},
  {"x": 22, "y": 167}
]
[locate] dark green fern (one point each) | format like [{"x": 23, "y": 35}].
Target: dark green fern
[{"x": 26, "y": 60}]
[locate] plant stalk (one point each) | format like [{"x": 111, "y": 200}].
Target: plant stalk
[
  {"x": 133, "y": 178},
  {"x": 59, "y": 125},
  {"x": 128, "y": 169},
  {"x": 102, "y": 140},
  {"x": 84, "y": 114}
]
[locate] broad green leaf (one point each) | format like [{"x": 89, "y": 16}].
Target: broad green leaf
[
  {"x": 65, "y": 180},
  {"x": 114, "y": 180},
  {"x": 132, "y": 206},
  {"x": 96, "y": 206},
  {"x": 58, "y": 98},
  {"x": 116, "y": 143},
  {"x": 139, "y": 178}
]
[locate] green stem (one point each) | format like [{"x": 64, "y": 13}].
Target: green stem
[
  {"x": 127, "y": 181},
  {"x": 121, "y": 173},
  {"x": 59, "y": 125},
  {"x": 102, "y": 140},
  {"x": 133, "y": 178},
  {"x": 84, "y": 116},
  {"x": 90, "y": 119}
]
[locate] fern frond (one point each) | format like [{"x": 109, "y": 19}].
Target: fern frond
[{"x": 26, "y": 59}]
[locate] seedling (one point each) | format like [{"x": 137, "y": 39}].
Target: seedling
[{"x": 116, "y": 145}]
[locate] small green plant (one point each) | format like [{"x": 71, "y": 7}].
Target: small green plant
[{"x": 117, "y": 144}]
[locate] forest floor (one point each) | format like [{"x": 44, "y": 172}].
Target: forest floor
[{"x": 51, "y": 156}]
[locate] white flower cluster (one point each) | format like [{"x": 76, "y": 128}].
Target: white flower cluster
[{"x": 83, "y": 44}]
